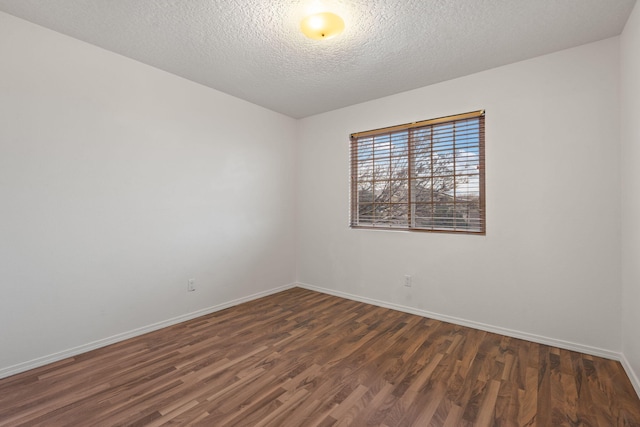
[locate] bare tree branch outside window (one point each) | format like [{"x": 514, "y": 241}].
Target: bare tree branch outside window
[{"x": 426, "y": 177}]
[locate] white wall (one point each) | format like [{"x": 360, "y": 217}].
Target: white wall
[
  {"x": 550, "y": 262},
  {"x": 118, "y": 182},
  {"x": 630, "y": 137}
]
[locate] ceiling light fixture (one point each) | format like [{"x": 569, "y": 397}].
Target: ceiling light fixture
[{"x": 322, "y": 26}]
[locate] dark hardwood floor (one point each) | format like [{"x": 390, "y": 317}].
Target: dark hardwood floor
[{"x": 300, "y": 358}]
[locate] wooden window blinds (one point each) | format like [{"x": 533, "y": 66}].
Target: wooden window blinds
[{"x": 424, "y": 176}]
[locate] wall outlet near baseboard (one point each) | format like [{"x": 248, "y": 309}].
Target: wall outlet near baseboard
[
  {"x": 407, "y": 280},
  {"x": 191, "y": 285}
]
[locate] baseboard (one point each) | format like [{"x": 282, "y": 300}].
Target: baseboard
[
  {"x": 630, "y": 373},
  {"x": 55, "y": 357},
  {"x": 567, "y": 345}
]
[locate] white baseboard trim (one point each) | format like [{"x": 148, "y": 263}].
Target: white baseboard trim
[
  {"x": 567, "y": 345},
  {"x": 55, "y": 357},
  {"x": 630, "y": 373}
]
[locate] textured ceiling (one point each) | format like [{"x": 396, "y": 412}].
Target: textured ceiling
[{"x": 253, "y": 49}]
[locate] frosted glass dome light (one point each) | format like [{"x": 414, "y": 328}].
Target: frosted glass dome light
[{"x": 322, "y": 26}]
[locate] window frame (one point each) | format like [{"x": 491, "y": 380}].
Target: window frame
[{"x": 354, "y": 215}]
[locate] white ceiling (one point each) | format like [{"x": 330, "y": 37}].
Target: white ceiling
[{"x": 253, "y": 49}]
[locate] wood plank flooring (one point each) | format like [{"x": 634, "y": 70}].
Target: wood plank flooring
[{"x": 301, "y": 358}]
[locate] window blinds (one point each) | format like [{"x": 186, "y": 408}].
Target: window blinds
[{"x": 424, "y": 176}]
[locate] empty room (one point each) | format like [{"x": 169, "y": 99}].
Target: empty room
[{"x": 320, "y": 213}]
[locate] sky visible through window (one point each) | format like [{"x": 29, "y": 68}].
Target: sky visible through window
[{"x": 425, "y": 177}]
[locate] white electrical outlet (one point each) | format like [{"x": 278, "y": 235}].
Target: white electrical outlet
[
  {"x": 191, "y": 285},
  {"x": 407, "y": 280}
]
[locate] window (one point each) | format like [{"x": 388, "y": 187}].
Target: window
[{"x": 425, "y": 176}]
